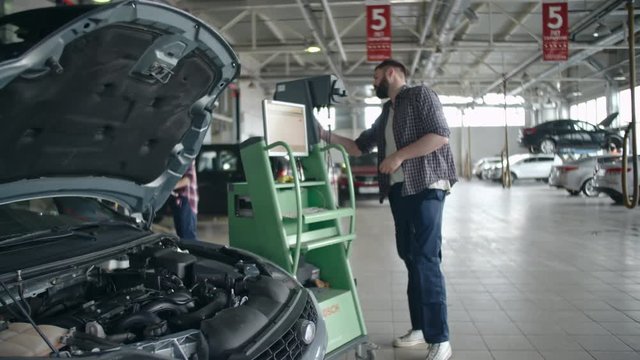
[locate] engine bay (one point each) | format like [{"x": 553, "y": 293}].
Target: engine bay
[{"x": 210, "y": 304}]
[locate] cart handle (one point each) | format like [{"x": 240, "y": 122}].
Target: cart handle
[
  {"x": 296, "y": 185},
  {"x": 345, "y": 156}
]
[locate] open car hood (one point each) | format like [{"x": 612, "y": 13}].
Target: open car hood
[
  {"x": 114, "y": 104},
  {"x": 608, "y": 120}
]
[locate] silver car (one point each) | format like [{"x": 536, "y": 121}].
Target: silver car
[
  {"x": 608, "y": 179},
  {"x": 577, "y": 176}
]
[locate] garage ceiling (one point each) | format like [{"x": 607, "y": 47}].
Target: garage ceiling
[{"x": 461, "y": 47}]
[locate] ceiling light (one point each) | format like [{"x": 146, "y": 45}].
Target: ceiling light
[
  {"x": 619, "y": 75},
  {"x": 101, "y": 1},
  {"x": 313, "y": 49},
  {"x": 601, "y": 30}
]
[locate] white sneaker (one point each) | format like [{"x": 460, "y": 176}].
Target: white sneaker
[
  {"x": 440, "y": 351},
  {"x": 411, "y": 338}
]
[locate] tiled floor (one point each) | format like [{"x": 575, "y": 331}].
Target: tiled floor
[{"x": 532, "y": 273}]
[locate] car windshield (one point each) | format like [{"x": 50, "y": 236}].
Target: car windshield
[{"x": 24, "y": 217}]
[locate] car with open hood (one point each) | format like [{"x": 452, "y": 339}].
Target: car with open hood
[
  {"x": 566, "y": 136},
  {"x": 102, "y": 110}
]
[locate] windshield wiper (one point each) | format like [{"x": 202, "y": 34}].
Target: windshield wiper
[
  {"x": 60, "y": 232},
  {"x": 52, "y": 234},
  {"x": 105, "y": 223}
]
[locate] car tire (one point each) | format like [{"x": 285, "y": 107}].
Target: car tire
[
  {"x": 573, "y": 192},
  {"x": 617, "y": 198},
  {"x": 588, "y": 189},
  {"x": 547, "y": 146}
]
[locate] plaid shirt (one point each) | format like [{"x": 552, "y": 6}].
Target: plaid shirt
[
  {"x": 190, "y": 191},
  {"x": 417, "y": 112}
]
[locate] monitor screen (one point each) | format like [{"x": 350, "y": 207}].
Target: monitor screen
[{"x": 287, "y": 122}]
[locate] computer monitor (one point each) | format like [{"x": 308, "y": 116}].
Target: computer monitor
[{"x": 287, "y": 122}]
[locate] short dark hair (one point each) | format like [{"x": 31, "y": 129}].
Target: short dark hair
[{"x": 394, "y": 64}]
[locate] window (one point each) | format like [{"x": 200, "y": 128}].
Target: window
[
  {"x": 326, "y": 117},
  {"x": 573, "y": 111},
  {"x": 591, "y": 112},
  {"x": 601, "y": 108},
  {"x": 453, "y": 116},
  {"x": 371, "y": 113},
  {"x": 583, "y": 126},
  {"x": 562, "y": 125}
]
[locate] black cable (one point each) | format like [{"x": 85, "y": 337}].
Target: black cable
[
  {"x": 46, "y": 339},
  {"x": 4, "y": 303},
  {"x": 26, "y": 304}
]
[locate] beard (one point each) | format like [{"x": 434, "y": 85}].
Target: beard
[{"x": 382, "y": 90}]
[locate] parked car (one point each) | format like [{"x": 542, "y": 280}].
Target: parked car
[
  {"x": 525, "y": 166},
  {"x": 608, "y": 179},
  {"x": 484, "y": 163},
  {"x": 561, "y": 135},
  {"x": 217, "y": 165},
  {"x": 100, "y": 120},
  {"x": 577, "y": 176},
  {"x": 365, "y": 177}
]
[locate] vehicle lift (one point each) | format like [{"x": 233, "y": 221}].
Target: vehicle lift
[{"x": 286, "y": 222}]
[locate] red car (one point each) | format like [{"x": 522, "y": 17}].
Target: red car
[{"x": 365, "y": 177}]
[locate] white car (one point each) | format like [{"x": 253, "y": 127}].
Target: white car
[
  {"x": 483, "y": 164},
  {"x": 578, "y": 176},
  {"x": 527, "y": 166}
]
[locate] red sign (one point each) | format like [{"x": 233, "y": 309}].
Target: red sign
[
  {"x": 378, "y": 30},
  {"x": 555, "y": 32}
]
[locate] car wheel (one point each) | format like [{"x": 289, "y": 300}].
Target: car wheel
[
  {"x": 573, "y": 192},
  {"x": 588, "y": 188},
  {"x": 617, "y": 198},
  {"x": 548, "y": 146}
]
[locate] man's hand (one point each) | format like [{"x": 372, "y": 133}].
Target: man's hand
[{"x": 391, "y": 163}]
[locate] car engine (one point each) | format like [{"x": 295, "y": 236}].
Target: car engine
[{"x": 144, "y": 298}]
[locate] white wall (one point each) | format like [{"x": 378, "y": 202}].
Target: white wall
[
  {"x": 485, "y": 141},
  {"x": 250, "y": 110}
]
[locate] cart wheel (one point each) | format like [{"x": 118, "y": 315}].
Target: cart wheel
[{"x": 366, "y": 351}]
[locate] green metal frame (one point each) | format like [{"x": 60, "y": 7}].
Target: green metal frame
[{"x": 277, "y": 227}]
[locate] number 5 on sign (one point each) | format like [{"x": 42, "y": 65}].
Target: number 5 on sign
[
  {"x": 378, "y": 30},
  {"x": 555, "y": 31},
  {"x": 555, "y": 18}
]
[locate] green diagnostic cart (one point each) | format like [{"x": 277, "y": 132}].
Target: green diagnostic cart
[{"x": 283, "y": 222}]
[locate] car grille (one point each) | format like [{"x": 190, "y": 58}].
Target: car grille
[{"x": 290, "y": 346}]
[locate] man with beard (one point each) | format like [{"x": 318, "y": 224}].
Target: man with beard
[{"x": 415, "y": 171}]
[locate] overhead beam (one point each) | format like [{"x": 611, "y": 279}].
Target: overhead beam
[
  {"x": 312, "y": 22},
  {"x": 505, "y": 46},
  {"x": 334, "y": 29},
  {"x": 504, "y": 35},
  {"x": 234, "y": 21},
  {"x": 618, "y": 36},
  {"x": 239, "y": 5},
  {"x": 348, "y": 28},
  {"x": 535, "y": 58},
  {"x": 426, "y": 30},
  {"x": 277, "y": 32}
]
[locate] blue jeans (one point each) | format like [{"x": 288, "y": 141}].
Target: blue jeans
[
  {"x": 418, "y": 221},
  {"x": 184, "y": 219}
]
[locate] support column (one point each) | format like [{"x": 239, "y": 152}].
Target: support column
[{"x": 612, "y": 93}]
